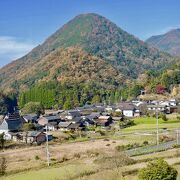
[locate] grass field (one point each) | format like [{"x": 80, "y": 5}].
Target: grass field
[
  {"x": 86, "y": 169},
  {"x": 149, "y": 123}
]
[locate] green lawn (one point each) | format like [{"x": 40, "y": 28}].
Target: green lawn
[
  {"x": 69, "y": 171},
  {"x": 149, "y": 123}
]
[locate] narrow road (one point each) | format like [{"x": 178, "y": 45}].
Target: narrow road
[{"x": 151, "y": 149}]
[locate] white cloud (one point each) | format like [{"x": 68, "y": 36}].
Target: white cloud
[{"x": 12, "y": 48}]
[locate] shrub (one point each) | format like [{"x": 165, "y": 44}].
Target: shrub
[
  {"x": 145, "y": 143},
  {"x": 127, "y": 147},
  {"x": 163, "y": 117},
  {"x": 165, "y": 138},
  {"x": 92, "y": 153},
  {"x": 37, "y": 157},
  {"x": 77, "y": 155},
  {"x": 101, "y": 132},
  {"x": 158, "y": 170},
  {"x": 176, "y": 146},
  {"x": 120, "y": 148},
  {"x": 64, "y": 158},
  {"x": 2, "y": 140},
  {"x": 53, "y": 159}
]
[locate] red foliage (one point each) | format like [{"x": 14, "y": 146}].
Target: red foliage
[{"x": 160, "y": 89}]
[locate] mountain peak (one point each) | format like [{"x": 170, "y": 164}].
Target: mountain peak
[
  {"x": 95, "y": 35},
  {"x": 168, "y": 42}
]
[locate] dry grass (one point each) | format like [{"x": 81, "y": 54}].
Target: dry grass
[{"x": 18, "y": 157}]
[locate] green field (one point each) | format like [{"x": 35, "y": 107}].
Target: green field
[{"x": 149, "y": 123}]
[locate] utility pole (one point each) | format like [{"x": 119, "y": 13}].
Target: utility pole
[
  {"x": 157, "y": 126},
  {"x": 47, "y": 147}
]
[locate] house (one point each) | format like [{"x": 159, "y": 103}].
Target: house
[
  {"x": 30, "y": 118},
  {"x": 88, "y": 122},
  {"x": 70, "y": 114},
  {"x": 30, "y": 137},
  {"x": 128, "y": 109},
  {"x": 172, "y": 102},
  {"x": 117, "y": 118},
  {"x": 76, "y": 119},
  {"x": 159, "y": 108},
  {"x": 11, "y": 123},
  {"x": 52, "y": 126},
  {"x": 110, "y": 108},
  {"x": 104, "y": 121},
  {"x": 138, "y": 103},
  {"x": 63, "y": 126},
  {"x": 76, "y": 126},
  {"x": 93, "y": 116},
  {"x": 44, "y": 120}
]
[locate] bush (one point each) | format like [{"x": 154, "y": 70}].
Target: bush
[
  {"x": 127, "y": 147},
  {"x": 101, "y": 132},
  {"x": 158, "y": 170},
  {"x": 145, "y": 143},
  {"x": 77, "y": 155},
  {"x": 93, "y": 153},
  {"x": 176, "y": 146},
  {"x": 165, "y": 138},
  {"x": 37, "y": 157},
  {"x": 163, "y": 117},
  {"x": 64, "y": 158}
]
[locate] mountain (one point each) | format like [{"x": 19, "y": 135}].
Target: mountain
[
  {"x": 168, "y": 42},
  {"x": 94, "y": 35},
  {"x": 73, "y": 65}
]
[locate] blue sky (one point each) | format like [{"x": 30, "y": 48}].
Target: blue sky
[{"x": 27, "y": 23}]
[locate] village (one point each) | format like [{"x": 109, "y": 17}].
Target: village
[{"x": 88, "y": 118}]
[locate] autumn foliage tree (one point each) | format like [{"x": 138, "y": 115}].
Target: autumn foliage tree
[{"x": 160, "y": 89}]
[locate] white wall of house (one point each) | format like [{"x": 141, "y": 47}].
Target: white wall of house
[
  {"x": 3, "y": 131},
  {"x": 128, "y": 113},
  {"x": 69, "y": 117}
]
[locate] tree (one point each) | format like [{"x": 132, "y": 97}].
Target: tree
[
  {"x": 28, "y": 127},
  {"x": 33, "y": 107},
  {"x": 2, "y": 140},
  {"x": 96, "y": 99},
  {"x": 3, "y": 166},
  {"x": 158, "y": 170},
  {"x": 67, "y": 105},
  {"x": 160, "y": 89}
]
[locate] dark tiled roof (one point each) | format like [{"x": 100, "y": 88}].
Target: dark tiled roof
[
  {"x": 34, "y": 133},
  {"x": 64, "y": 124},
  {"x": 126, "y": 106},
  {"x": 74, "y": 113},
  {"x": 75, "y": 125},
  {"x": 51, "y": 118},
  {"x": 30, "y": 116},
  {"x": 77, "y": 119}
]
